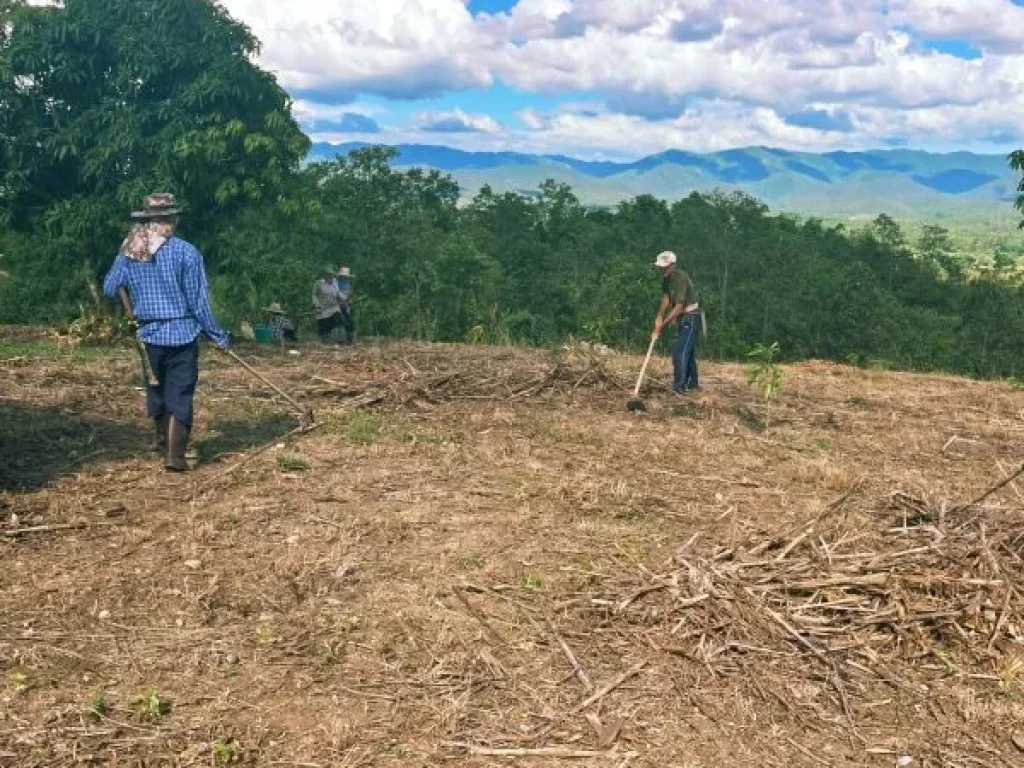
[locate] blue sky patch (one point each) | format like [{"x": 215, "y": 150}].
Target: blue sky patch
[
  {"x": 821, "y": 120},
  {"x": 687, "y": 31},
  {"x": 959, "y": 48},
  {"x": 491, "y": 6},
  {"x": 349, "y": 122}
]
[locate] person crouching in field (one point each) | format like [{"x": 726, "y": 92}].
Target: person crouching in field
[
  {"x": 166, "y": 282},
  {"x": 281, "y": 328},
  {"x": 679, "y": 307}
]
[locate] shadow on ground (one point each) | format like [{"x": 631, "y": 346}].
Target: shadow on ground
[
  {"x": 38, "y": 444},
  {"x": 230, "y": 437}
]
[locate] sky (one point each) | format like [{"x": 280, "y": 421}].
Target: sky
[{"x": 619, "y": 79}]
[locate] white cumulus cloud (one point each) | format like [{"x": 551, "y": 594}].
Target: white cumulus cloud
[
  {"x": 994, "y": 24},
  {"x": 698, "y": 74},
  {"x": 456, "y": 121},
  {"x": 397, "y": 48}
]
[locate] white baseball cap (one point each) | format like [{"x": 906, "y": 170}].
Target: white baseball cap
[{"x": 665, "y": 259}]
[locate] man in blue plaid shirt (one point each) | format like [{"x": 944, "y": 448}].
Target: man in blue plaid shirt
[{"x": 166, "y": 281}]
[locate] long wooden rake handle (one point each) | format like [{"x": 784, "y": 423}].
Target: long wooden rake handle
[
  {"x": 643, "y": 370},
  {"x": 299, "y": 407}
]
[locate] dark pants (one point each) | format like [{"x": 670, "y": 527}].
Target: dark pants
[
  {"x": 326, "y": 326},
  {"x": 349, "y": 323},
  {"x": 342, "y": 319},
  {"x": 684, "y": 355},
  {"x": 177, "y": 370}
]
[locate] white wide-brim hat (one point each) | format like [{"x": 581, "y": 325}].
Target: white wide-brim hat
[{"x": 665, "y": 259}]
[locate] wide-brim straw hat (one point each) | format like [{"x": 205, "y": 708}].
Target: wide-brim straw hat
[
  {"x": 345, "y": 272},
  {"x": 275, "y": 308},
  {"x": 160, "y": 205}
]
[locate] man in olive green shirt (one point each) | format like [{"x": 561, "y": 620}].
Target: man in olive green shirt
[{"x": 679, "y": 307}]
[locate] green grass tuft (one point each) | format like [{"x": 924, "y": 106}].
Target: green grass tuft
[
  {"x": 363, "y": 427},
  {"x": 289, "y": 462}
]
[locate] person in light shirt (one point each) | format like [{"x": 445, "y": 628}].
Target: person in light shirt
[{"x": 327, "y": 302}]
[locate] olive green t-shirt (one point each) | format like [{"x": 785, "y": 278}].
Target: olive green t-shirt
[{"x": 679, "y": 288}]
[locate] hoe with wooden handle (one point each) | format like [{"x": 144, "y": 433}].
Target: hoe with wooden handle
[
  {"x": 148, "y": 377},
  {"x": 636, "y": 404}
]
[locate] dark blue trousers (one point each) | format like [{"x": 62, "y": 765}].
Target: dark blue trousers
[
  {"x": 684, "y": 354},
  {"x": 177, "y": 370},
  {"x": 349, "y": 323}
]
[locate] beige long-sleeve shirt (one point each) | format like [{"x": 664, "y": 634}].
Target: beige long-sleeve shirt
[{"x": 326, "y": 298}]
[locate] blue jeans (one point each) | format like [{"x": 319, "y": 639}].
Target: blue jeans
[
  {"x": 684, "y": 354},
  {"x": 177, "y": 370}
]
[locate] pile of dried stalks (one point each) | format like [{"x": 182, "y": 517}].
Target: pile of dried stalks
[
  {"x": 514, "y": 384},
  {"x": 440, "y": 380},
  {"x": 928, "y": 581},
  {"x": 819, "y": 619},
  {"x": 824, "y": 624},
  {"x": 571, "y": 369}
]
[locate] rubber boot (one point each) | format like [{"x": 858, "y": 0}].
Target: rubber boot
[
  {"x": 161, "y": 435},
  {"x": 177, "y": 443}
]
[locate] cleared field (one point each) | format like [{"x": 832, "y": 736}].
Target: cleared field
[{"x": 478, "y": 557}]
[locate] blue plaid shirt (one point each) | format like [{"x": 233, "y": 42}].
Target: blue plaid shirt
[{"x": 170, "y": 296}]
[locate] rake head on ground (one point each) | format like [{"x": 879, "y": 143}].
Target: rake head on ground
[{"x": 636, "y": 404}]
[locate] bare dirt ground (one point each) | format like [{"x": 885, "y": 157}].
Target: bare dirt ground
[{"x": 479, "y": 557}]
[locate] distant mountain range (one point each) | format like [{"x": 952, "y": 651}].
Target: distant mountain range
[{"x": 899, "y": 182}]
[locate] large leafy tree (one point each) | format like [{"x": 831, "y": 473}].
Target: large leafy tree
[
  {"x": 102, "y": 101},
  {"x": 936, "y": 247}
]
